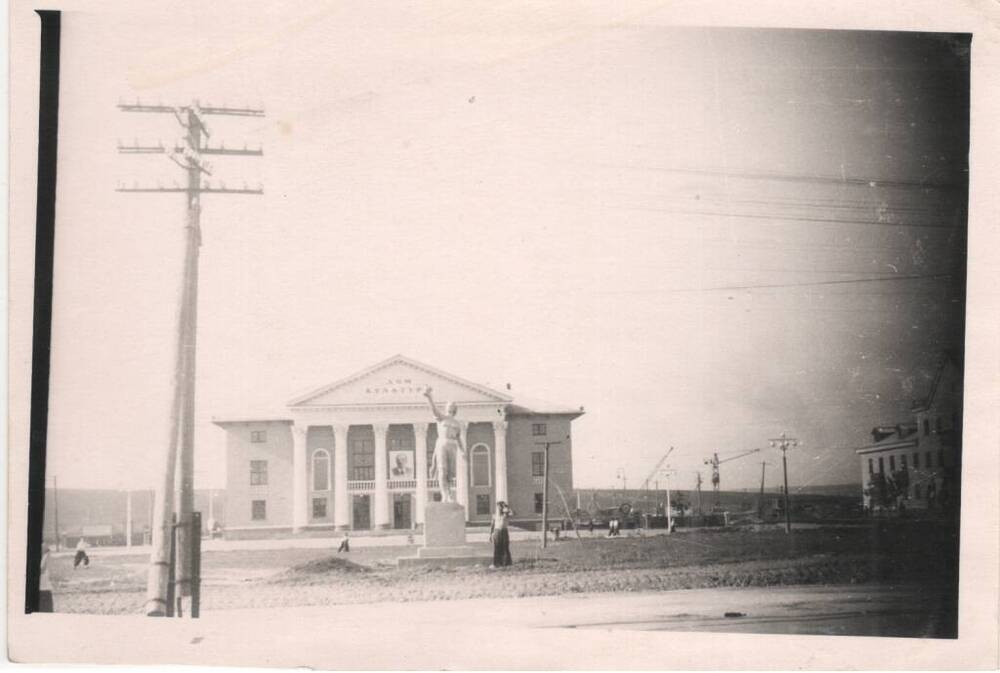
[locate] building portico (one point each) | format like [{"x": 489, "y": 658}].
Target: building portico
[{"x": 358, "y": 453}]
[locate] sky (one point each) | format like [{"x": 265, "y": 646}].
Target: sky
[{"x": 706, "y": 237}]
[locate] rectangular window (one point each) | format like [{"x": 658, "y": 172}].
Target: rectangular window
[
  {"x": 258, "y": 436},
  {"x": 892, "y": 463},
  {"x": 258, "y": 510},
  {"x": 319, "y": 508},
  {"x": 927, "y": 427},
  {"x": 916, "y": 461},
  {"x": 881, "y": 465},
  {"x": 929, "y": 460},
  {"x": 940, "y": 457},
  {"x": 538, "y": 503},
  {"x": 871, "y": 466},
  {"x": 404, "y": 443},
  {"x": 902, "y": 459},
  {"x": 483, "y": 504},
  {"x": 538, "y": 429},
  {"x": 537, "y": 464},
  {"x": 258, "y": 473},
  {"x": 363, "y": 459}
]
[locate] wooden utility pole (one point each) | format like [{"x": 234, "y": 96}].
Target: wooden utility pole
[
  {"x": 545, "y": 492},
  {"x": 760, "y": 504},
  {"x": 784, "y": 443},
  {"x": 179, "y": 464},
  {"x": 698, "y": 486},
  {"x": 670, "y": 516}
]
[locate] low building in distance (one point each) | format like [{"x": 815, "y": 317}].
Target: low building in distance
[{"x": 354, "y": 454}]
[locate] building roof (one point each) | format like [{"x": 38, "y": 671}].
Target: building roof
[
  {"x": 891, "y": 437},
  {"x": 903, "y": 434},
  {"x": 410, "y": 364},
  {"x": 262, "y": 417},
  {"x": 519, "y": 405},
  {"x": 523, "y": 404}
]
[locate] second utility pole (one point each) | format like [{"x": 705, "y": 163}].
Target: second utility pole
[
  {"x": 784, "y": 443},
  {"x": 545, "y": 493}
]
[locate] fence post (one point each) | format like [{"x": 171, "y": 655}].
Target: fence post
[
  {"x": 173, "y": 566},
  {"x": 195, "y": 564}
]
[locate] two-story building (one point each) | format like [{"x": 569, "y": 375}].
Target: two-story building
[
  {"x": 916, "y": 463},
  {"x": 354, "y": 454}
]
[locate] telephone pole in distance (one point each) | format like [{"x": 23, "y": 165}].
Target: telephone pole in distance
[{"x": 784, "y": 443}]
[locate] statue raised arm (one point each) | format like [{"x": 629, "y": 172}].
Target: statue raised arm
[{"x": 430, "y": 401}]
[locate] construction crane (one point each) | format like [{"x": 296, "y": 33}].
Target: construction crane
[
  {"x": 715, "y": 462},
  {"x": 655, "y": 470}
]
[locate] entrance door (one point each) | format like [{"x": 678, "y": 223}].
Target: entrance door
[
  {"x": 362, "y": 512},
  {"x": 401, "y": 511}
]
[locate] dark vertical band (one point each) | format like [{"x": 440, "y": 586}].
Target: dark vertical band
[{"x": 45, "y": 222}]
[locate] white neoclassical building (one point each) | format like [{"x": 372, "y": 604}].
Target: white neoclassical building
[{"x": 354, "y": 454}]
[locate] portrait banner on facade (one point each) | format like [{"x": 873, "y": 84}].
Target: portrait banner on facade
[{"x": 401, "y": 465}]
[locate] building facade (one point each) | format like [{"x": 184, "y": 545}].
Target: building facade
[
  {"x": 354, "y": 455},
  {"x": 916, "y": 463}
]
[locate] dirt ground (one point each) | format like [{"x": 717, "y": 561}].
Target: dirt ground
[{"x": 690, "y": 559}]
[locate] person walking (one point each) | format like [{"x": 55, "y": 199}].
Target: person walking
[
  {"x": 345, "y": 545},
  {"x": 500, "y": 536},
  {"x": 45, "y": 583},
  {"x": 81, "y": 554}
]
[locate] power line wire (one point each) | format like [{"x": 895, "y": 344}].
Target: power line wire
[
  {"x": 792, "y": 218},
  {"x": 815, "y": 283},
  {"x": 799, "y": 177}
]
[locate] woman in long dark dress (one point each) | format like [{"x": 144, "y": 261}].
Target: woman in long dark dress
[{"x": 500, "y": 536}]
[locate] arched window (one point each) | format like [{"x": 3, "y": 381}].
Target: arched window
[
  {"x": 321, "y": 470},
  {"x": 480, "y": 465}
]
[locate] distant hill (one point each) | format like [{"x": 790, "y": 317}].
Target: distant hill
[
  {"x": 645, "y": 500},
  {"x": 852, "y": 490},
  {"x": 79, "y": 507}
]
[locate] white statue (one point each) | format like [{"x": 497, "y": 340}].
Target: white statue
[{"x": 449, "y": 441}]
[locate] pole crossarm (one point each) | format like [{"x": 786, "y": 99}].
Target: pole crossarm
[
  {"x": 204, "y": 190},
  {"x": 232, "y": 111},
  {"x": 147, "y": 149},
  {"x": 200, "y": 109},
  {"x": 233, "y": 152}
]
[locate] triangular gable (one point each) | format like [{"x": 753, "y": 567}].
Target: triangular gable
[{"x": 399, "y": 380}]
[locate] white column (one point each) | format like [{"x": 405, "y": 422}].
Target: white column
[
  {"x": 341, "y": 498},
  {"x": 300, "y": 478},
  {"x": 381, "y": 472},
  {"x": 462, "y": 472},
  {"x": 500, "y": 458},
  {"x": 420, "y": 469}
]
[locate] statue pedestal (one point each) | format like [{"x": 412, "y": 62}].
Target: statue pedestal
[{"x": 444, "y": 539}]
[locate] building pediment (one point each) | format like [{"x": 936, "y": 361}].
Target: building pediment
[{"x": 398, "y": 381}]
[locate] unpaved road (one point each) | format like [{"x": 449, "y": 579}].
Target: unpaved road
[{"x": 615, "y": 630}]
